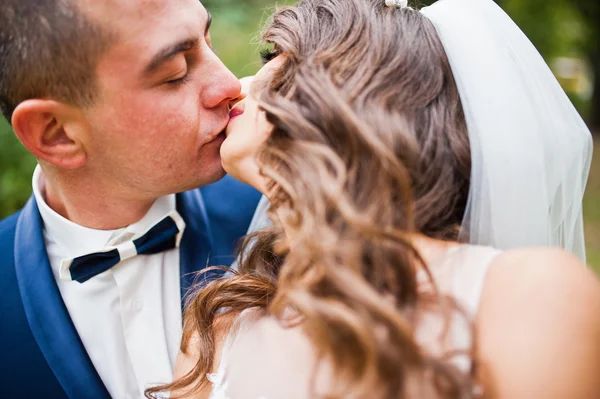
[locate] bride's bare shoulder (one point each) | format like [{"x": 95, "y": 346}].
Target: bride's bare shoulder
[
  {"x": 534, "y": 272},
  {"x": 538, "y": 326}
]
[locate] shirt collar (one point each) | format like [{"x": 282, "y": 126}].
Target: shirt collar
[{"x": 75, "y": 240}]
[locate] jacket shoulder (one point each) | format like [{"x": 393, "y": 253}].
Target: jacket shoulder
[
  {"x": 8, "y": 282},
  {"x": 21, "y": 356},
  {"x": 8, "y": 228}
]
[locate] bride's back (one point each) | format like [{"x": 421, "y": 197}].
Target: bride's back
[{"x": 261, "y": 359}]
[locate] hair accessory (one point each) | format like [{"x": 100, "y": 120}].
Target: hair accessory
[{"x": 396, "y": 3}]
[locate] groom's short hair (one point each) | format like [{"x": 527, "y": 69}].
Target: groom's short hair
[{"x": 48, "y": 49}]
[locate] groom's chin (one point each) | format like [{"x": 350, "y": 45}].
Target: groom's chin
[
  {"x": 213, "y": 173},
  {"x": 205, "y": 169},
  {"x": 205, "y": 180},
  {"x": 218, "y": 175}
]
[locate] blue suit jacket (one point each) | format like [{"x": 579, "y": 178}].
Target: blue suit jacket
[{"x": 41, "y": 354}]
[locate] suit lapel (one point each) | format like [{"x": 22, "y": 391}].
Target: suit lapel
[{"x": 47, "y": 314}]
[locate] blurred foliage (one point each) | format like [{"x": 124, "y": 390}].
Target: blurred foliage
[
  {"x": 591, "y": 212},
  {"x": 555, "y": 26},
  {"x": 236, "y": 31},
  {"x": 565, "y": 28},
  {"x": 558, "y": 28},
  {"x": 16, "y": 165}
]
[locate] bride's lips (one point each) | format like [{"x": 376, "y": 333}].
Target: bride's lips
[{"x": 235, "y": 112}]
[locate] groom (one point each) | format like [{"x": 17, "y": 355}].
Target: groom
[{"x": 123, "y": 103}]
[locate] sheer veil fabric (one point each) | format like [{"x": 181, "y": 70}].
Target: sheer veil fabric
[{"x": 530, "y": 149}]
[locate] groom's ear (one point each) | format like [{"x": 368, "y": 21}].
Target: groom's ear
[{"x": 52, "y": 131}]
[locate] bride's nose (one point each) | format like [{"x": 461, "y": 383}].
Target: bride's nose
[{"x": 245, "y": 90}]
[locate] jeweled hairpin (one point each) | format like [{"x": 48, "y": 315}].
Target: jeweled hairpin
[{"x": 396, "y": 3}]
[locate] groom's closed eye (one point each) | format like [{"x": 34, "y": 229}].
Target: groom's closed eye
[
  {"x": 179, "y": 81},
  {"x": 168, "y": 53}
]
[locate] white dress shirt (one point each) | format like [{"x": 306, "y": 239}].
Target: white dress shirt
[{"x": 129, "y": 317}]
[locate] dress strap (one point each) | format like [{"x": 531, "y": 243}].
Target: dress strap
[
  {"x": 470, "y": 266},
  {"x": 469, "y": 269}
]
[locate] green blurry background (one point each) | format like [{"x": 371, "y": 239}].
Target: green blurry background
[{"x": 567, "y": 33}]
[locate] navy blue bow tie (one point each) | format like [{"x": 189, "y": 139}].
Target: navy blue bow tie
[{"x": 163, "y": 236}]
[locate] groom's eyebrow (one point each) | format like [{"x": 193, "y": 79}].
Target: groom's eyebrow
[{"x": 170, "y": 51}]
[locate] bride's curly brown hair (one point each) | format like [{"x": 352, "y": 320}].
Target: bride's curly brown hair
[{"x": 369, "y": 145}]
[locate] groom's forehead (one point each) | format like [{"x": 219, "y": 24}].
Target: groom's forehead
[
  {"x": 143, "y": 25},
  {"x": 145, "y": 29},
  {"x": 111, "y": 12}
]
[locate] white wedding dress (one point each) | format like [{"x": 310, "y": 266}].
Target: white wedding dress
[{"x": 262, "y": 360}]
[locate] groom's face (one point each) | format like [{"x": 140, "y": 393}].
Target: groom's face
[{"x": 163, "y": 98}]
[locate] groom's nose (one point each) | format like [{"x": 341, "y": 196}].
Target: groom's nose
[{"x": 218, "y": 84}]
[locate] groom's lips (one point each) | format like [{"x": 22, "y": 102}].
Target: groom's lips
[
  {"x": 222, "y": 132},
  {"x": 219, "y": 137}
]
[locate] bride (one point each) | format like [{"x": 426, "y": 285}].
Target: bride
[{"x": 384, "y": 138}]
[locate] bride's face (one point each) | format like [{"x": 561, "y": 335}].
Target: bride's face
[{"x": 248, "y": 129}]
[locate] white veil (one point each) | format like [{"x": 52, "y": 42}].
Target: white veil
[{"x": 531, "y": 151}]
